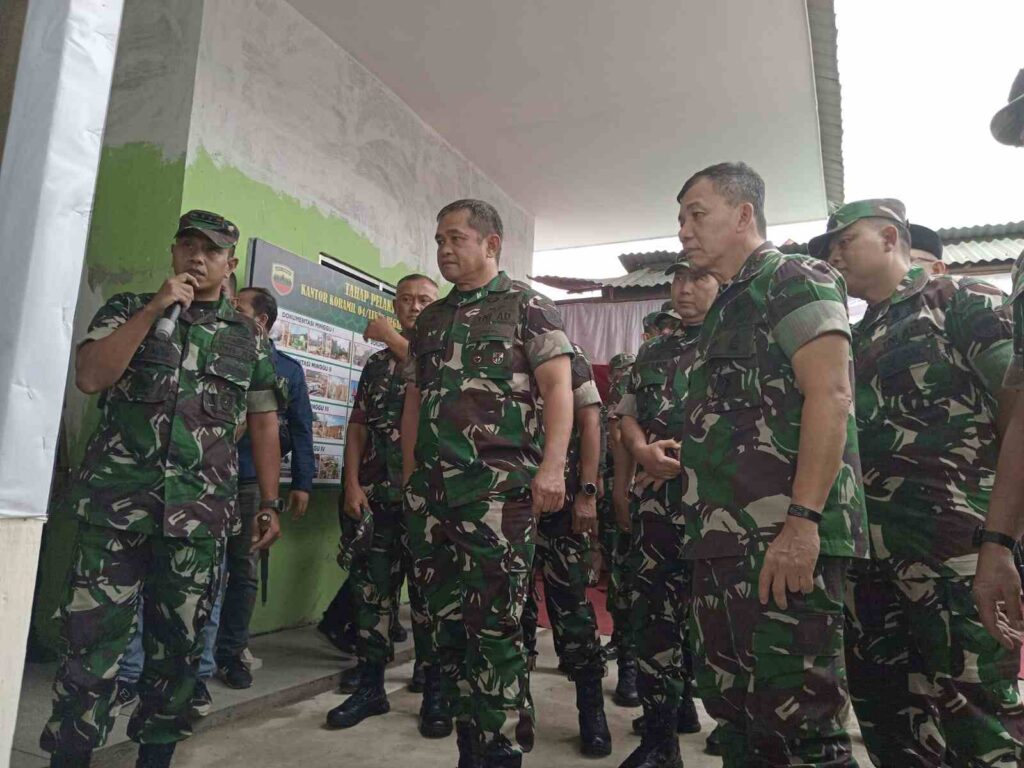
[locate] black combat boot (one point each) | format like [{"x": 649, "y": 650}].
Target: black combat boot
[
  {"x": 419, "y": 677},
  {"x": 435, "y": 722},
  {"x": 369, "y": 700},
  {"x": 659, "y": 745},
  {"x": 78, "y": 759},
  {"x": 351, "y": 679},
  {"x": 595, "y": 739},
  {"x": 625, "y": 692},
  {"x": 499, "y": 753},
  {"x": 687, "y": 719},
  {"x": 155, "y": 755},
  {"x": 470, "y": 743},
  {"x": 713, "y": 743}
]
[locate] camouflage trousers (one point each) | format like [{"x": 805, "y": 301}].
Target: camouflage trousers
[
  {"x": 563, "y": 560},
  {"x": 774, "y": 680},
  {"x": 929, "y": 685},
  {"x": 377, "y": 578},
  {"x": 473, "y": 563},
  {"x": 661, "y": 586},
  {"x": 620, "y": 595},
  {"x": 177, "y": 581}
]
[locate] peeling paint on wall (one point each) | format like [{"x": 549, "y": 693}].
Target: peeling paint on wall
[{"x": 281, "y": 102}]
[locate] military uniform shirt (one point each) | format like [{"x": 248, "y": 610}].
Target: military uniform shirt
[
  {"x": 163, "y": 459},
  {"x": 584, "y": 394},
  {"x": 929, "y": 361},
  {"x": 655, "y": 390},
  {"x": 618, "y": 381},
  {"x": 378, "y": 406},
  {"x": 1015, "y": 373},
  {"x": 472, "y": 356},
  {"x": 742, "y": 413}
]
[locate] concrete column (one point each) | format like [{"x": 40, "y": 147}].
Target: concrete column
[{"x": 47, "y": 181}]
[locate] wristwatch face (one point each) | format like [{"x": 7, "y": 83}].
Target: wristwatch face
[{"x": 589, "y": 489}]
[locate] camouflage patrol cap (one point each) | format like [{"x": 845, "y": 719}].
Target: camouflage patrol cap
[
  {"x": 1008, "y": 123},
  {"x": 681, "y": 263},
  {"x": 621, "y": 360},
  {"x": 356, "y": 536},
  {"x": 650, "y": 320},
  {"x": 924, "y": 239},
  {"x": 222, "y": 232},
  {"x": 876, "y": 208}
]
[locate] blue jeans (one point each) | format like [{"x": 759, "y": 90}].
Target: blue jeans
[{"x": 135, "y": 657}]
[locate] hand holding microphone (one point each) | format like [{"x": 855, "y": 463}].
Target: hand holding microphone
[{"x": 176, "y": 294}]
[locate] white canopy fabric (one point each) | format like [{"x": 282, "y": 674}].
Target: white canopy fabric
[{"x": 604, "y": 329}]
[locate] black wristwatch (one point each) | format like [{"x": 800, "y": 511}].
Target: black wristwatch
[
  {"x": 589, "y": 489},
  {"x": 981, "y": 536},
  {"x": 275, "y": 504},
  {"x": 795, "y": 510}
]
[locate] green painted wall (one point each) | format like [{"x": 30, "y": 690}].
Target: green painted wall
[{"x": 139, "y": 196}]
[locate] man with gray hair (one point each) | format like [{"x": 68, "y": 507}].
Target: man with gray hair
[{"x": 774, "y": 512}]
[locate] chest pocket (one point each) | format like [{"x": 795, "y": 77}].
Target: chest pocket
[
  {"x": 651, "y": 380},
  {"x": 918, "y": 374},
  {"x": 228, "y": 372},
  {"x": 430, "y": 348},
  {"x": 487, "y": 353},
  {"x": 151, "y": 373},
  {"x": 733, "y": 384}
]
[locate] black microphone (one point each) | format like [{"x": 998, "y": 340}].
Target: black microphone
[{"x": 165, "y": 325}]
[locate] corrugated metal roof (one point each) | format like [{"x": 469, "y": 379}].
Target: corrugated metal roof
[
  {"x": 634, "y": 261},
  {"x": 981, "y": 232},
  {"x": 1000, "y": 251},
  {"x": 645, "y": 277}
]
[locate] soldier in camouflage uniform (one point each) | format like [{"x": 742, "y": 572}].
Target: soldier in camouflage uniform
[
  {"x": 373, "y": 481},
  {"x": 619, "y": 597},
  {"x": 764, "y": 497},
  {"x": 156, "y": 494},
  {"x": 480, "y": 362},
  {"x": 661, "y": 585},
  {"x": 997, "y": 584},
  {"x": 930, "y": 687},
  {"x": 563, "y": 544}
]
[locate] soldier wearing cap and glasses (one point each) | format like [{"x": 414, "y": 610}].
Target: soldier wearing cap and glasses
[{"x": 156, "y": 493}]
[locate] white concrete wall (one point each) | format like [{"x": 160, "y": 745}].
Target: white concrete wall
[{"x": 278, "y": 100}]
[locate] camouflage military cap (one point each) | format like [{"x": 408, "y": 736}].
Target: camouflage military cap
[
  {"x": 356, "y": 536},
  {"x": 924, "y": 239},
  {"x": 1008, "y": 123},
  {"x": 222, "y": 232},
  {"x": 650, "y": 321},
  {"x": 621, "y": 360},
  {"x": 681, "y": 263},
  {"x": 877, "y": 208}
]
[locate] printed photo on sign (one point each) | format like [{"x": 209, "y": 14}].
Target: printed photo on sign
[
  {"x": 328, "y": 461},
  {"x": 361, "y": 353},
  {"x": 328, "y": 426}
]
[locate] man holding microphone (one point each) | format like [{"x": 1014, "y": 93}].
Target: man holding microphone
[{"x": 156, "y": 493}]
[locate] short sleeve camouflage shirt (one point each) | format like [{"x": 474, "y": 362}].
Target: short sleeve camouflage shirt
[
  {"x": 655, "y": 391},
  {"x": 584, "y": 395},
  {"x": 742, "y": 414},
  {"x": 1015, "y": 373},
  {"x": 163, "y": 459},
  {"x": 378, "y": 406},
  {"x": 618, "y": 380},
  {"x": 473, "y": 357},
  {"x": 929, "y": 362}
]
